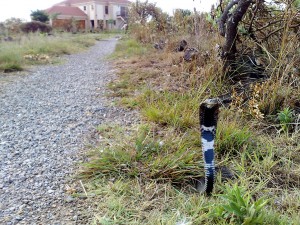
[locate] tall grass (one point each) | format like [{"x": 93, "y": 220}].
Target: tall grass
[{"x": 129, "y": 48}]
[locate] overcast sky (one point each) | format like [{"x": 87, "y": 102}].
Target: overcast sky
[{"x": 22, "y": 8}]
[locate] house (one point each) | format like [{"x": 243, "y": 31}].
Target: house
[{"x": 89, "y": 14}]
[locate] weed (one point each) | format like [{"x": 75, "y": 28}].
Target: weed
[
  {"x": 239, "y": 208},
  {"x": 285, "y": 118}
]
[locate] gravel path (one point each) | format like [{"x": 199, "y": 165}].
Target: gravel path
[{"x": 44, "y": 117}]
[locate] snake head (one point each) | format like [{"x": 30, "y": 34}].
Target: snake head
[
  {"x": 211, "y": 102},
  {"x": 208, "y": 112}
]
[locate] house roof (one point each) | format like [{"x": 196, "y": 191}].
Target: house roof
[
  {"x": 65, "y": 10},
  {"x": 69, "y": 2}
]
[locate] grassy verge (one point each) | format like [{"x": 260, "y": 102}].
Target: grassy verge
[
  {"x": 33, "y": 49},
  {"x": 145, "y": 174}
]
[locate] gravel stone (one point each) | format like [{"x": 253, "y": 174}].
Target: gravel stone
[{"x": 46, "y": 117}]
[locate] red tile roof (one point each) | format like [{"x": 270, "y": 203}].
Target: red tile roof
[{"x": 65, "y": 10}]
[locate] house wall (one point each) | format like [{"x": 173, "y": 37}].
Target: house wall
[
  {"x": 92, "y": 10},
  {"x": 66, "y": 24},
  {"x": 116, "y": 8},
  {"x": 98, "y": 13},
  {"x": 82, "y": 9},
  {"x": 100, "y": 10}
]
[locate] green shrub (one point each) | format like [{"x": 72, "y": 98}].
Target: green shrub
[
  {"x": 11, "y": 67},
  {"x": 285, "y": 118},
  {"x": 35, "y": 26},
  {"x": 239, "y": 208}
]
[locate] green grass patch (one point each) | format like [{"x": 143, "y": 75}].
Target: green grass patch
[
  {"x": 233, "y": 138},
  {"x": 128, "y": 47},
  {"x": 11, "y": 67},
  {"x": 178, "y": 110},
  {"x": 174, "y": 157},
  {"x": 40, "y": 49}
]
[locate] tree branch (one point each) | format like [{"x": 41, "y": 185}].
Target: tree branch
[
  {"x": 224, "y": 17},
  {"x": 254, "y": 15},
  {"x": 229, "y": 48}
]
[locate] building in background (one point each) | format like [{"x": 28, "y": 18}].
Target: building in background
[{"x": 89, "y": 14}]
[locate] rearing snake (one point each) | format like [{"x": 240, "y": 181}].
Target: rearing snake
[{"x": 208, "y": 114}]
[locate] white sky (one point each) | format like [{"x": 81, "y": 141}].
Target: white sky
[{"x": 22, "y": 8}]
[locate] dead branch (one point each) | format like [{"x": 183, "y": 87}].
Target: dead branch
[
  {"x": 279, "y": 29},
  {"x": 269, "y": 24},
  {"x": 254, "y": 15}
]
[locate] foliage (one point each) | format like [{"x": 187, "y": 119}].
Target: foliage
[
  {"x": 264, "y": 23},
  {"x": 35, "y": 26},
  {"x": 145, "y": 12},
  {"x": 11, "y": 67},
  {"x": 142, "y": 11},
  {"x": 12, "y": 25},
  {"x": 239, "y": 208},
  {"x": 285, "y": 118},
  {"x": 39, "y": 15}
]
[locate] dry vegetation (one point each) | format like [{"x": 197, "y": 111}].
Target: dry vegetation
[{"x": 144, "y": 174}]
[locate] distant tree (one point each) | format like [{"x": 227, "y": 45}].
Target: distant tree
[
  {"x": 142, "y": 11},
  {"x": 39, "y": 15},
  {"x": 12, "y": 25},
  {"x": 2, "y": 28},
  {"x": 35, "y": 26},
  {"x": 185, "y": 12}
]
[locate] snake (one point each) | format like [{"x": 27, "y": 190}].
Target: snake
[
  {"x": 244, "y": 73},
  {"x": 208, "y": 117}
]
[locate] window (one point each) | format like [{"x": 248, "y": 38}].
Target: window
[
  {"x": 106, "y": 9},
  {"x": 84, "y": 8}
]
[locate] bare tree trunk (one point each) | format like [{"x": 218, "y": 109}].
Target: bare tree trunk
[{"x": 228, "y": 24}]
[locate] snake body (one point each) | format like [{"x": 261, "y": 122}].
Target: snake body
[{"x": 208, "y": 113}]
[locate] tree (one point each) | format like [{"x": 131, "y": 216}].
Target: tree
[
  {"x": 35, "y": 26},
  {"x": 12, "y": 25},
  {"x": 39, "y": 15},
  {"x": 228, "y": 25},
  {"x": 142, "y": 11},
  {"x": 265, "y": 23}
]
